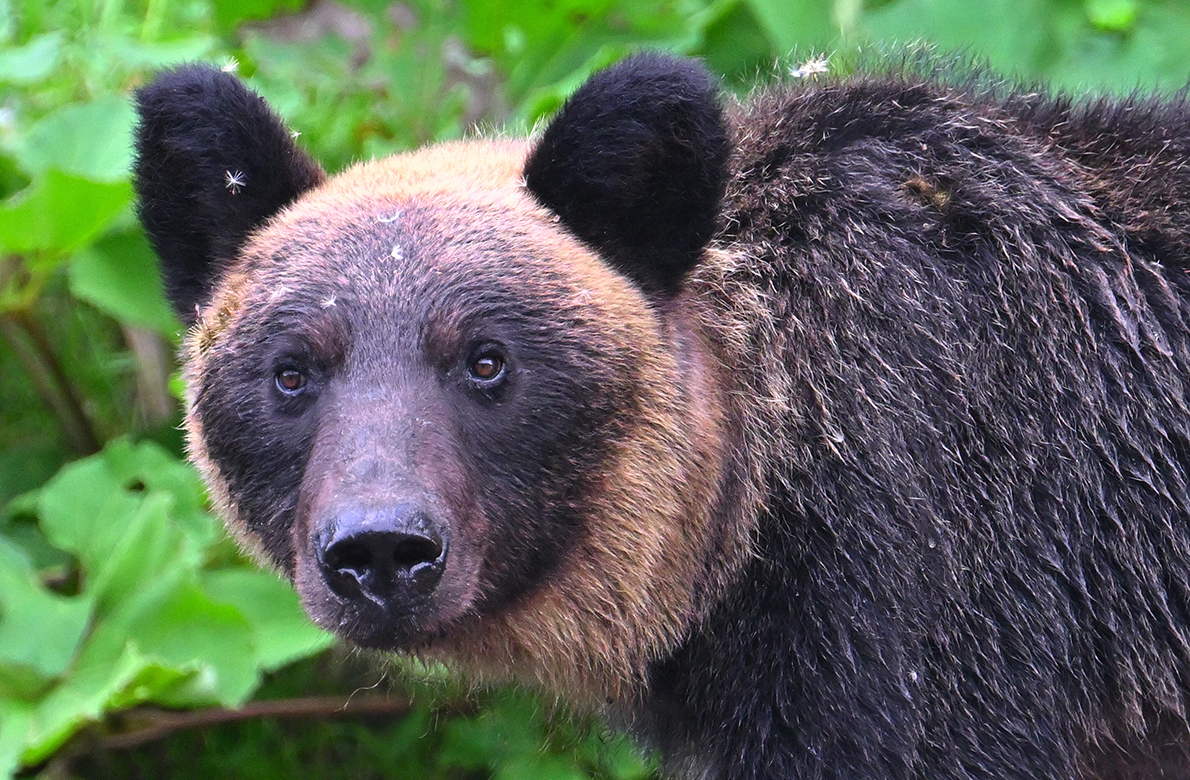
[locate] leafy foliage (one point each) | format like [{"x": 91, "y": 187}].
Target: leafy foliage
[
  {"x": 117, "y": 588},
  {"x": 152, "y": 607}
]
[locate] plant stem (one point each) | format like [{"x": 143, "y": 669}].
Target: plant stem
[
  {"x": 29, "y": 342},
  {"x": 150, "y": 29},
  {"x": 162, "y": 723},
  {"x": 154, "y": 404}
]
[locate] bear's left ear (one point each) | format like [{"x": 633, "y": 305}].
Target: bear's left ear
[
  {"x": 635, "y": 165},
  {"x": 213, "y": 162}
]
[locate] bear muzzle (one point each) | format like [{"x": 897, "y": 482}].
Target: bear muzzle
[{"x": 392, "y": 556}]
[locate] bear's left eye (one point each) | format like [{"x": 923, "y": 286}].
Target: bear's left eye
[{"x": 487, "y": 368}]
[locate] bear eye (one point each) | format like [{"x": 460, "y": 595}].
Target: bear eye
[
  {"x": 487, "y": 368},
  {"x": 290, "y": 381}
]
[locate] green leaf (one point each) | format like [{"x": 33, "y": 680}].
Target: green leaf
[
  {"x": 40, "y": 631},
  {"x": 119, "y": 275},
  {"x": 91, "y": 140},
  {"x": 1113, "y": 15},
  {"x": 1151, "y": 55},
  {"x": 229, "y": 13},
  {"x": 1013, "y": 35},
  {"x": 795, "y": 26},
  {"x": 32, "y": 62},
  {"x": 12, "y": 178},
  {"x": 59, "y": 213},
  {"x": 541, "y": 766},
  {"x": 734, "y": 44},
  {"x": 153, "y": 55},
  {"x": 189, "y": 628},
  {"x": 16, "y": 719},
  {"x": 122, "y": 539},
  {"x": 282, "y": 631},
  {"x": 95, "y": 684},
  {"x": 90, "y": 506},
  {"x": 135, "y": 544}
]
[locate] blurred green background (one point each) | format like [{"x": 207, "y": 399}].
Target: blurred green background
[{"x": 135, "y": 641}]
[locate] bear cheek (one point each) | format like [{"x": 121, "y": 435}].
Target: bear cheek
[{"x": 386, "y": 552}]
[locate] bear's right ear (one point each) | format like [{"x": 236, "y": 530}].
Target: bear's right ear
[{"x": 213, "y": 162}]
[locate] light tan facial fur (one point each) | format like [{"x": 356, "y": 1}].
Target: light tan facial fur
[{"x": 657, "y": 543}]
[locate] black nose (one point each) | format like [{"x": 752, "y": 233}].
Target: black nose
[{"x": 386, "y": 554}]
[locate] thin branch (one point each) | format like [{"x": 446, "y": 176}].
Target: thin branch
[
  {"x": 162, "y": 723},
  {"x": 154, "y": 404},
  {"x": 34, "y": 352}
]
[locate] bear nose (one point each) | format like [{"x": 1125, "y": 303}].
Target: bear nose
[{"x": 384, "y": 554}]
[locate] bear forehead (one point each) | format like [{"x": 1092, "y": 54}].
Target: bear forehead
[
  {"x": 438, "y": 234},
  {"x": 416, "y": 254},
  {"x": 450, "y": 212}
]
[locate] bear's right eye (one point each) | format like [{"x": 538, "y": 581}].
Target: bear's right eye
[{"x": 290, "y": 381}]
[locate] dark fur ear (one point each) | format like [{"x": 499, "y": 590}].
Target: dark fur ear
[
  {"x": 213, "y": 162},
  {"x": 635, "y": 165}
]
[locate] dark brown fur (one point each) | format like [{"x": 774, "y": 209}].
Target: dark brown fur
[{"x": 887, "y": 481}]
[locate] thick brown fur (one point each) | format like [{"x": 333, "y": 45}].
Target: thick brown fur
[{"x": 887, "y": 480}]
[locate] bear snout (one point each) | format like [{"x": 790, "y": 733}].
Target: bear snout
[{"x": 393, "y": 556}]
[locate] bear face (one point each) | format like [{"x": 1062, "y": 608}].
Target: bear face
[{"x": 431, "y": 404}]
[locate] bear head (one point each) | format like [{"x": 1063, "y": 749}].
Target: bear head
[{"x": 461, "y": 396}]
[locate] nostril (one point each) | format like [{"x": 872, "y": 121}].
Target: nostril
[
  {"x": 349, "y": 555},
  {"x": 414, "y": 550}
]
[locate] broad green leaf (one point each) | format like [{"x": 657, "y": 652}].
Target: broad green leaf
[
  {"x": 112, "y": 632},
  {"x": 1113, "y": 15},
  {"x": 190, "y": 628},
  {"x": 801, "y": 27},
  {"x": 119, "y": 275},
  {"x": 159, "y": 54},
  {"x": 40, "y": 631},
  {"x": 91, "y": 140},
  {"x": 229, "y": 13},
  {"x": 282, "y": 631},
  {"x": 94, "y": 685},
  {"x": 734, "y": 43},
  {"x": 123, "y": 539},
  {"x": 59, "y": 213},
  {"x": 71, "y": 503},
  {"x": 32, "y": 62},
  {"x": 111, "y": 487},
  {"x": 1151, "y": 54},
  {"x": 1011, "y": 34},
  {"x": 150, "y": 464},
  {"x": 543, "y": 102},
  {"x": 154, "y": 682},
  {"x": 136, "y": 543},
  {"x": 16, "y": 719}
]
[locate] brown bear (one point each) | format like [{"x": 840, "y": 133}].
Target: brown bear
[{"x": 841, "y": 433}]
